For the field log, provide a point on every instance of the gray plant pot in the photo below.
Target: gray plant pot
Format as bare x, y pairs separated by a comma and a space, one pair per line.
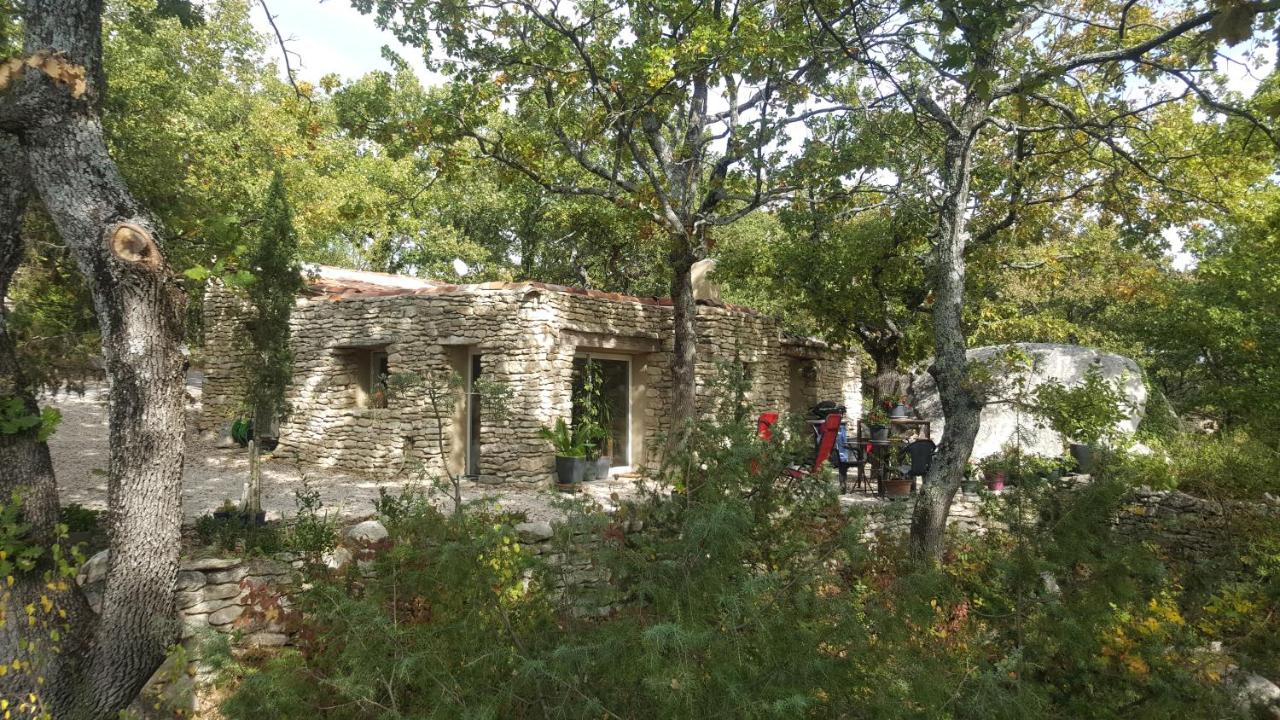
601, 467
900, 412
1083, 455
879, 433
570, 470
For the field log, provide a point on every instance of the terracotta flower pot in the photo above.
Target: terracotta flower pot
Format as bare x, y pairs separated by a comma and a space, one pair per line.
897, 488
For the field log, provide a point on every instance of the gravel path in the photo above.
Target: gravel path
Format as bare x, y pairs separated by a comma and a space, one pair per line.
212, 475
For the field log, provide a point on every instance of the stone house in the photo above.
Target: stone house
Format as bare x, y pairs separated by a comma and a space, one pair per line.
352, 330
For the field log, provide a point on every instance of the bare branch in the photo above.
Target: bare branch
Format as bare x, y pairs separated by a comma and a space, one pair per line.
284, 51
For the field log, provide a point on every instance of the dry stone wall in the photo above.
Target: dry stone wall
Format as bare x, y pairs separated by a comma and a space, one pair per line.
527, 339
226, 355
1187, 526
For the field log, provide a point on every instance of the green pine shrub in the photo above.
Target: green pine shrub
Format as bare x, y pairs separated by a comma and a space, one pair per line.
746, 596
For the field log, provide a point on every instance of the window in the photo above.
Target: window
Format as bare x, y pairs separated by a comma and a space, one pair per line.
802, 382
376, 387
367, 371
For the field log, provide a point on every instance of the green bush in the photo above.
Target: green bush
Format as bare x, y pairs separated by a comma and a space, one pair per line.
234, 534
746, 596
1234, 465
311, 531
78, 518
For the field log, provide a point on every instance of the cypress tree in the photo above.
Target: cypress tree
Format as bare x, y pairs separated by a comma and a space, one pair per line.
276, 284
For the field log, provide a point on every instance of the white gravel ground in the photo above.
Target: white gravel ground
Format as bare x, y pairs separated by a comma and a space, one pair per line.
212, 475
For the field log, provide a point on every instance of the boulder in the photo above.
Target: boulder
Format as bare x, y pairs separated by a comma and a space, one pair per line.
1065, 364
94, 569
369, 532
337, 559
533, 532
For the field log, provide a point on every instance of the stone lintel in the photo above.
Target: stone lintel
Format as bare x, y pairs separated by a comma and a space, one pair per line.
363, 343
617, 343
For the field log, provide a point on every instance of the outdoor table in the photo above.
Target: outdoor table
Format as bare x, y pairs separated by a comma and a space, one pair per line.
900, 431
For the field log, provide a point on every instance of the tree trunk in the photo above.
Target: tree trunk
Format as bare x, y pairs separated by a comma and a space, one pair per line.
960, 406
140, 311
684, 403
24, 459
889, 381
28, 469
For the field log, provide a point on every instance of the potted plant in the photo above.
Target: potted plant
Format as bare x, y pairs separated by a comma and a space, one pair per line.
897, 482
972, 477
571, 452
1084, 415
995, 470
593, 436
593, 416
878, 425
899, 409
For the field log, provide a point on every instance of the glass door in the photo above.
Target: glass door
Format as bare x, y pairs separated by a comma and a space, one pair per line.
612, 400
473, 418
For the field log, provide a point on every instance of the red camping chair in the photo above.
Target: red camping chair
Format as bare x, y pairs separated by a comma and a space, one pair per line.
827, 432
764, 431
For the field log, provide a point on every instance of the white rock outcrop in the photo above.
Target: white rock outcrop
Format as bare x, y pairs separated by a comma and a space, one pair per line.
1066, 364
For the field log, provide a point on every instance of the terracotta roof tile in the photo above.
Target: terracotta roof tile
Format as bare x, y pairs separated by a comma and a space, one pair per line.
335, 284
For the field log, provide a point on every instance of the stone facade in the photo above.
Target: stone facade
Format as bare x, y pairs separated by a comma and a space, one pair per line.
526, 337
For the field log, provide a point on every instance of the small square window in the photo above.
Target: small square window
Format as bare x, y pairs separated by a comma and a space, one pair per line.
376, 383
367, 373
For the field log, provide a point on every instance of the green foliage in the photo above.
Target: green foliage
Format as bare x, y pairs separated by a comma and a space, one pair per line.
852, 281
15, 418
392, 508
1215, 344
241, 429
744, 597
234, 532
591, 413
17, 552
272, 294
1229, 466
311, 531
565, 441
78, 518
1085, 413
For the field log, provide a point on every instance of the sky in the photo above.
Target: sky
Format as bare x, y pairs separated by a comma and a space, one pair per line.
331, 37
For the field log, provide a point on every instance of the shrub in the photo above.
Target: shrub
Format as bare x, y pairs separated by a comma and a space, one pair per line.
746, 596
235, 534
312, 531
78, 518
1234, 465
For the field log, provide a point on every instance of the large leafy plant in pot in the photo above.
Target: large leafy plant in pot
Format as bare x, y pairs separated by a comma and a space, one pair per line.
877, 422
571, 451
1085, 414
593, 416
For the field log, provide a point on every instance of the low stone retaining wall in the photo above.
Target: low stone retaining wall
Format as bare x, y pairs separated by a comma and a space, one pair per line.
1188, 526
890, 517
